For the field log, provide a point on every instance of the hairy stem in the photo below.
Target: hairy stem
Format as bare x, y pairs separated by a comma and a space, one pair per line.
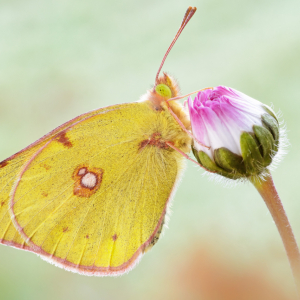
267, 190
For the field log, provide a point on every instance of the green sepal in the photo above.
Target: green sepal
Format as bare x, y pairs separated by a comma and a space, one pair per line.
229, 161
266, 142
273, 126
195, 152
210, 165
250, 152
270, 112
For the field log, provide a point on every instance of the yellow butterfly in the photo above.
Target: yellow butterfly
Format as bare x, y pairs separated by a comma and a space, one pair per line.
92, 195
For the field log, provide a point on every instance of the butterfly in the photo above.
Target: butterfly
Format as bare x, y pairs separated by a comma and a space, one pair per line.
92, 195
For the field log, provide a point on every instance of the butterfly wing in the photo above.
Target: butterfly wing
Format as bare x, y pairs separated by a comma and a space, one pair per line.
9, 170
93, 197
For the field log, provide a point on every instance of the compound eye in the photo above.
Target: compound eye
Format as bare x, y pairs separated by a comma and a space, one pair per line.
163, 90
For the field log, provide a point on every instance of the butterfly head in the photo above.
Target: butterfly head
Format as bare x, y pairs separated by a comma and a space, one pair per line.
166, 87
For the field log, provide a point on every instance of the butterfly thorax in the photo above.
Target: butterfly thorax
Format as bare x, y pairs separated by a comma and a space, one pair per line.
166, 88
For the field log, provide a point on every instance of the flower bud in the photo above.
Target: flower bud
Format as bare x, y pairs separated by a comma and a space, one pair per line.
235, 135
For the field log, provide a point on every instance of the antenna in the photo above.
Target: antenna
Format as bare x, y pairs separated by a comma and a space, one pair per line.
188, 15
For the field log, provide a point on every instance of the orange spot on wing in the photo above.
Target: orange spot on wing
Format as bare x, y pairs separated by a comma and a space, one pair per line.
155, 140
65, 229
114, 237
87, 236
143, 144
44, 194
81, 189
3, 163
47, 167
2, 203
62, 138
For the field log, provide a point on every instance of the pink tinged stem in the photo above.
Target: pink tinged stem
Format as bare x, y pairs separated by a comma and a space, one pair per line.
268, 192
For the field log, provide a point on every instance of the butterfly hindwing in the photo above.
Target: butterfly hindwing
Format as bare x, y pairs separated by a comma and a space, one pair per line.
93, 197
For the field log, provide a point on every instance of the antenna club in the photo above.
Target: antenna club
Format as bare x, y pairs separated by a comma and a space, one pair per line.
188, 15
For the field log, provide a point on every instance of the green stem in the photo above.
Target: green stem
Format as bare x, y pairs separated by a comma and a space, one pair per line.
267, 190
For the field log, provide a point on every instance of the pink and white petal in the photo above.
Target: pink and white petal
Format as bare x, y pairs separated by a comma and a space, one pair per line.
217, 133
199, 129
232, 128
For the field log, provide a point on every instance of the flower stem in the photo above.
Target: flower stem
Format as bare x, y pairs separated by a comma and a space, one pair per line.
267, 190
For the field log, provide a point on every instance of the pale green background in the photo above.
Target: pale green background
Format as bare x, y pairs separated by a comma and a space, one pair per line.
61, 58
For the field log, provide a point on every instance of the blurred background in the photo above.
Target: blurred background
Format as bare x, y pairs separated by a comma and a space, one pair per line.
59, 59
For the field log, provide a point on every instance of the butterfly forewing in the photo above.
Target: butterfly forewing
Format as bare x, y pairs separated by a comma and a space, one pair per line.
9, 171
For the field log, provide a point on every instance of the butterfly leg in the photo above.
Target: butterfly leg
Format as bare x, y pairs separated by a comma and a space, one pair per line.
183, 127
180, 97
170, 144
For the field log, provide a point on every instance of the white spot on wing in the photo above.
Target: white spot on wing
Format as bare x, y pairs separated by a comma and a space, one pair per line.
82, 171
89, 180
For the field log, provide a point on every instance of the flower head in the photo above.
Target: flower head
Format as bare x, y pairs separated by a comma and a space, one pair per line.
236, 135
